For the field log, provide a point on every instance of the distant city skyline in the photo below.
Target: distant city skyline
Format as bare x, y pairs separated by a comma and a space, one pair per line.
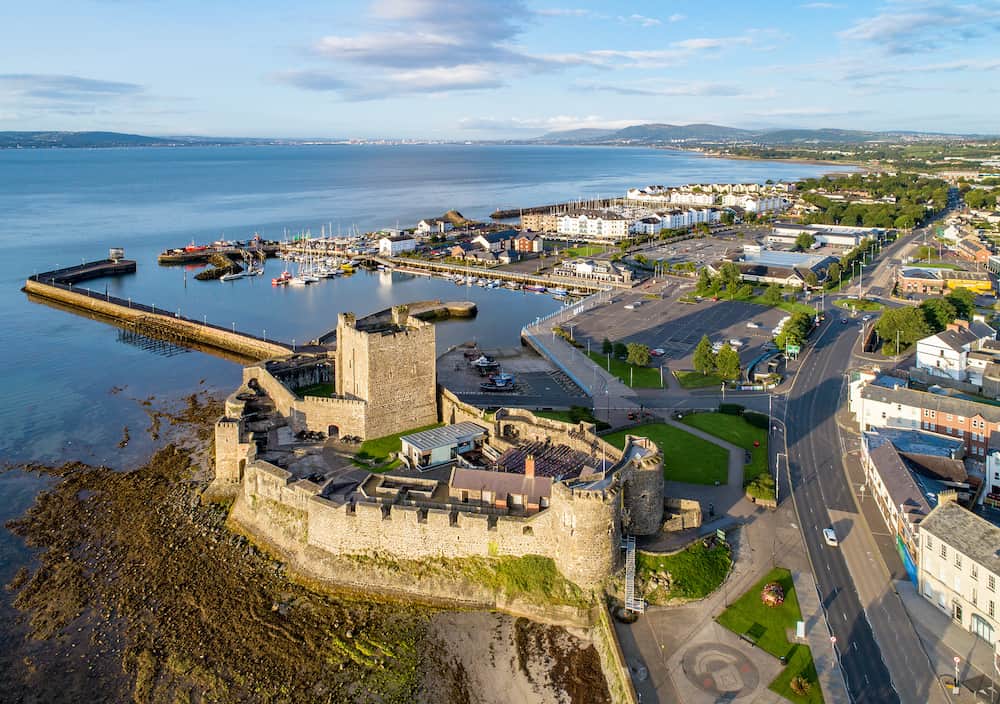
495, 69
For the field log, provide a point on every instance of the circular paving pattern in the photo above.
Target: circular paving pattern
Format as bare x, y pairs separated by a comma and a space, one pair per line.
720, 670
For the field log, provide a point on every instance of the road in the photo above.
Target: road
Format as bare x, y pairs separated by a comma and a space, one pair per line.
818, 483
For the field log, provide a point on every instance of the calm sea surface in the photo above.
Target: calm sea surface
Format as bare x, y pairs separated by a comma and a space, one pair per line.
59, 207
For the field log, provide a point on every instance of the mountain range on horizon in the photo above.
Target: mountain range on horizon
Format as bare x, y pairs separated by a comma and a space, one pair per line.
651, 134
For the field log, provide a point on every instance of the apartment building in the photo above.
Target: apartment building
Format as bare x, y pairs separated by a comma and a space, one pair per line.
593, 224
959, 567
759, 204
540, 222
947, 353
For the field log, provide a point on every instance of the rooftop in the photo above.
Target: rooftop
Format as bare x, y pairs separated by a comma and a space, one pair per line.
903, 489
502, 483
444, 436
916, 442
786, 260
560, 462
974, 537
936, 402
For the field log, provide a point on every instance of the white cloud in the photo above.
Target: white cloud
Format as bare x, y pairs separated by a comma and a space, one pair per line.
671, 88
676, 17
912, 27
564, 12
557, 123
820, 6
641, 20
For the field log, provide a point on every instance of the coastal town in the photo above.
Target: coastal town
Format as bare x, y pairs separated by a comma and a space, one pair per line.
642, 440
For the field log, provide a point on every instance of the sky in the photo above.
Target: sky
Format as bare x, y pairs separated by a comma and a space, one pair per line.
494, 69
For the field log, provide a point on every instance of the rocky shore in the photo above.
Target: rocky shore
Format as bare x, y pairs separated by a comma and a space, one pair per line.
139, 592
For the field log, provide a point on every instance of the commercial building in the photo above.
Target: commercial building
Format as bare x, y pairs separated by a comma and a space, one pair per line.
946, 354
971, 249
593, 224
939, 281
959, 566
759, 265
832, 235
392, 246
599, 270
435, 446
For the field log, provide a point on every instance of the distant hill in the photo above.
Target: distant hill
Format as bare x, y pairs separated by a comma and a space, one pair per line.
95, 140
707, 134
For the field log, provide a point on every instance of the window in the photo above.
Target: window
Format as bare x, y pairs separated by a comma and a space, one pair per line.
974, 596
991, 583
975, 570
948, 417
958, 560
944, 551
991, 609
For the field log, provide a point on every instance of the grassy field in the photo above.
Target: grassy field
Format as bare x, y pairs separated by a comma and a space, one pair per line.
690, 379
789, 306
849, 303
768, 627
374, 454
695, 572
316, 390
736, 430
686, 458
584, 250
642, 377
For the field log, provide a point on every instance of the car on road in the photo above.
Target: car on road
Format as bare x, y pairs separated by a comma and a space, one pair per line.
830, 537
752, 324
866, 318
845, 321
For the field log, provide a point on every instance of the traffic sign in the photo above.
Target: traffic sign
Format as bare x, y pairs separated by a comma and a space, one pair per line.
720, 534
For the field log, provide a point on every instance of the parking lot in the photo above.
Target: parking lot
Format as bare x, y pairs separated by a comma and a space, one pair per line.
699, 251
675, 327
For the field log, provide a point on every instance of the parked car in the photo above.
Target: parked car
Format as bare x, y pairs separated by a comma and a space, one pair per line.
753, 325
658, 352
866, 318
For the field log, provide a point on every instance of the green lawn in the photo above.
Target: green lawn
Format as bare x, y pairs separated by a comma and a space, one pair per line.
584, 250
768, 627
642, 377
690, 379
736, 430
686, 458
374, 454
695, 572
789, 306
315, 390
849, 303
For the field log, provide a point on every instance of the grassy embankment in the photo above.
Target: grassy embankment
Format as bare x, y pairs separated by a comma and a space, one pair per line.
768, 626
736, 430
686, 457
640, 377
694, 572
690, 379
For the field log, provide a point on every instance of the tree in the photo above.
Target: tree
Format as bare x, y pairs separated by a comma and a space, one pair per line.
833, 272
704, 357
964, 302
727, 363
730, 277
909, 324
805, 240
704, 282
606, 346
938, 312
620, 350
811, 279
772, 295
638, 354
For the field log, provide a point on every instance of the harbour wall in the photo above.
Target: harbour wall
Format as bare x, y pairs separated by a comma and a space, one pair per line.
569, 282
155, 323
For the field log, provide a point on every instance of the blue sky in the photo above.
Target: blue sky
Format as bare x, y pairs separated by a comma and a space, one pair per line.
471, 69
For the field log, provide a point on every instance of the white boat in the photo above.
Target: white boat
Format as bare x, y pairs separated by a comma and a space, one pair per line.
234, 275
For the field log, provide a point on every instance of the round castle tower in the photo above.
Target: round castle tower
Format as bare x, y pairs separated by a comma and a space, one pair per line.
642, 501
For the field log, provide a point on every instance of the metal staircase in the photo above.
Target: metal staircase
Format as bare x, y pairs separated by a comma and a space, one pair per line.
631, 602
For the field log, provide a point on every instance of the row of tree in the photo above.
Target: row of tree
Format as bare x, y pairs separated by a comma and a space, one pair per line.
725, 363
795, 330
916, 197
634, 353
907, 325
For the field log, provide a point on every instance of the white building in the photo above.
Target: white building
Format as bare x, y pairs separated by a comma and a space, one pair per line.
433, 227
647, 226
756, 203
678, 219
946, 353
392, 246
593, 224
959, 567
692, 198
436, 446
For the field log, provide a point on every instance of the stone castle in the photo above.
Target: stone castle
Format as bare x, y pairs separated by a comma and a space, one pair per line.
300, 494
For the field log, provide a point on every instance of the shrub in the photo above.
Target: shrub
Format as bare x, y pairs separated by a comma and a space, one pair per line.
758, 420
800, 685
772, 595
732, 409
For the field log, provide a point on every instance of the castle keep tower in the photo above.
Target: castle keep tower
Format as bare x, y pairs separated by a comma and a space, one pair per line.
390, 365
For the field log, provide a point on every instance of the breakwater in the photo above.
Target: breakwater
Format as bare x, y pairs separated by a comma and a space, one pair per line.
56, 286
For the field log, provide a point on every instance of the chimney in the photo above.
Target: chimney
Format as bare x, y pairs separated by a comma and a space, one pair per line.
529, 466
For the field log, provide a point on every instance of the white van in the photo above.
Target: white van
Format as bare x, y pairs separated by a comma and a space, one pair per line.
830, 537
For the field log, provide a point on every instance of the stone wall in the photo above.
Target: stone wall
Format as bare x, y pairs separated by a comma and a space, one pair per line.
612, 659
682, 514
145, 320
643, 495
579, 530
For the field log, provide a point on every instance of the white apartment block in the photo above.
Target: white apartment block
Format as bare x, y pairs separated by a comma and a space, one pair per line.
947, 353
593, 225
759, 204
676, 219
959, 567
391, 246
